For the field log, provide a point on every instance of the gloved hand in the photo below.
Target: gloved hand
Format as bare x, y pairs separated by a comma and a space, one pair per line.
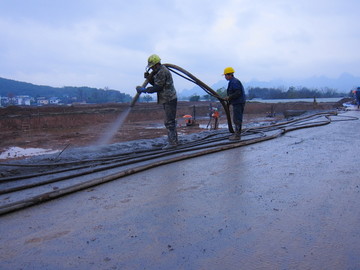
140, 89
146, 75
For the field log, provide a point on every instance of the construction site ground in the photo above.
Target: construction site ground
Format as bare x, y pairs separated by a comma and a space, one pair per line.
288, 203
59, 127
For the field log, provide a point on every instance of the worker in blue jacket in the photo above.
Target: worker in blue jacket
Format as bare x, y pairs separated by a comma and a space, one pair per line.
357, 96
236, 98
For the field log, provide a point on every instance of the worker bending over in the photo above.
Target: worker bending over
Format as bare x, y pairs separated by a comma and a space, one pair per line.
236, 98
162, 84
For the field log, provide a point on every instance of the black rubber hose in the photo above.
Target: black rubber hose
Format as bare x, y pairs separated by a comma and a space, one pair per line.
207, 89
193, 152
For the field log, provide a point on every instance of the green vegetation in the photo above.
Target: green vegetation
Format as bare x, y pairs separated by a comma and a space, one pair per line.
146, 98
221, 91
291, 93
194, 98
67, 94
277, 93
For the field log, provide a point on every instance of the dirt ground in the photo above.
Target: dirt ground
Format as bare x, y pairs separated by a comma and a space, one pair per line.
58, 138
76, 126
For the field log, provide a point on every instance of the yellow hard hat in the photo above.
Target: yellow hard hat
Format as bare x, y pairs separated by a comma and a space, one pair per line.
153, 60
228, 70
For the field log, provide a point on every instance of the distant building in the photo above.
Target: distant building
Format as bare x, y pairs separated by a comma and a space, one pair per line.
17, 101
54, 100
42, 101
4, 101
22, 100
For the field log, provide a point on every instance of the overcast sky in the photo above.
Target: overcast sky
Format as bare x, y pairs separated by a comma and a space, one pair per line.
106, 43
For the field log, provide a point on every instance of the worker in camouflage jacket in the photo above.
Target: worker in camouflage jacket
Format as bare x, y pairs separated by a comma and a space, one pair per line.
162, 84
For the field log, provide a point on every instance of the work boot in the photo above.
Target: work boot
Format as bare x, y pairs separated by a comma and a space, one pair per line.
235, 137
169, 146
237, 134
172, 136
172, 139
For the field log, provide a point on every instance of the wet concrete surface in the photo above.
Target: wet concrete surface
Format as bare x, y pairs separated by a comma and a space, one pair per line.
288, 203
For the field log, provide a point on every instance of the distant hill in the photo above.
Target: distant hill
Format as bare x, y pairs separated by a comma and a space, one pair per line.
11, 88
343, 84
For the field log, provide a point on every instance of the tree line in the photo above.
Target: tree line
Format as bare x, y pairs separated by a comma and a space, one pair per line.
277, 93
291, 93
67, 94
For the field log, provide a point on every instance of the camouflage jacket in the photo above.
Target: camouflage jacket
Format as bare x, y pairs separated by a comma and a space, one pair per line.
163, 85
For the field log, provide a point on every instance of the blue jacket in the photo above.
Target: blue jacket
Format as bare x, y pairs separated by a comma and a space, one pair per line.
357, 93
235, 91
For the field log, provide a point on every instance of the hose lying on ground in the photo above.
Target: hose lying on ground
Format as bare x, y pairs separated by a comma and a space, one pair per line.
126, 165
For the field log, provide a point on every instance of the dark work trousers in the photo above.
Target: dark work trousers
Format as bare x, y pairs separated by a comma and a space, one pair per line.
358, 98
238, 111
170, 120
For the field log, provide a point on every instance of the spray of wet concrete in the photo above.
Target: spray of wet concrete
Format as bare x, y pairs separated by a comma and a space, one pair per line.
113, 128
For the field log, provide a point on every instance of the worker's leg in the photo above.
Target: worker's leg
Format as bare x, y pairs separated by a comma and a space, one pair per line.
216, 124
238, 111
170, 121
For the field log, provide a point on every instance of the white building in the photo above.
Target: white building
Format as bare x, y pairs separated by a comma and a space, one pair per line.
22, 100
42, 101
54, 100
